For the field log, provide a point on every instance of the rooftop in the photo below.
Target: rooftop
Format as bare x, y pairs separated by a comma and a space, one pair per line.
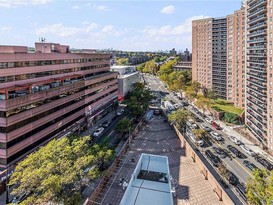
150, 182
158, 138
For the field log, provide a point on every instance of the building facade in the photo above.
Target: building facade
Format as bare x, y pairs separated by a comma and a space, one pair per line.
126, 79
49, 93
259, 70
218, 56
183, 66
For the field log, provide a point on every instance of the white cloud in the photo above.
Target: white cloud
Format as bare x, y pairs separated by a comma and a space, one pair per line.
14, 3
168, 30
168, 10
65, 31
98, 7
75, 7
5, 28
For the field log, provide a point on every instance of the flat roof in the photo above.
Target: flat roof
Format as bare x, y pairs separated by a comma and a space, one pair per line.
121, 66
128, 75
150, 182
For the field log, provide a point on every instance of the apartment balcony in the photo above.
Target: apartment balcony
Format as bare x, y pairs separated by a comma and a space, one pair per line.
256, 5
256, 129
263, 47
257, 118
258, 11
256, 96
258, 112
257, 40
257, 33
257, 26
257, 19
251, 102
34, 97
264, 55
257, 69
253, 87
256, 77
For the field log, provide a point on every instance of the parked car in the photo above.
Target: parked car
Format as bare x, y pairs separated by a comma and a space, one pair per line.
195, 126
249, 165
248, 150
220, 152
199, 142
216, 136
106, 123
208, 119
264, 162
98, 132
120, 112
205, 128
232, 179
235, 140
213, 158
215, 125
184, 103
240, 188
235, 151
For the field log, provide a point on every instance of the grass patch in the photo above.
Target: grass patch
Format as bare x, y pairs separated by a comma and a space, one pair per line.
227, 108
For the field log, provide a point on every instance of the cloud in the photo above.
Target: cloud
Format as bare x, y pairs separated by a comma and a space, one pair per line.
98, 7
168, 10
65, 31
75, 7
15, 3
168, 30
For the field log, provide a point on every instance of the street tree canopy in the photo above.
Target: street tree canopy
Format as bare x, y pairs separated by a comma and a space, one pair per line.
179, 117
56, 172
260, 188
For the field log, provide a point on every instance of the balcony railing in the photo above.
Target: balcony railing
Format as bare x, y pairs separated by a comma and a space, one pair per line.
259, 10
258, 25
257, 33
258, 3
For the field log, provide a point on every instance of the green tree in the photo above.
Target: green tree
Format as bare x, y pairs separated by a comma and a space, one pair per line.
203, 103
260, 188
122, 61
196, 86
123, 126
56, 172
179, 117
199, 134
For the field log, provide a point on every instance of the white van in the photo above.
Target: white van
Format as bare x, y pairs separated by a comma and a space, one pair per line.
248, 150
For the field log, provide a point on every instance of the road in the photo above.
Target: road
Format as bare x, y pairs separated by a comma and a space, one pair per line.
234, 164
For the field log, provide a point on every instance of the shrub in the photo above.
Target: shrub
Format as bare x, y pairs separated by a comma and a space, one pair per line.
231, 118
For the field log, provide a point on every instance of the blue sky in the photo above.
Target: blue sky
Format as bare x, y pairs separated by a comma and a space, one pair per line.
126, 25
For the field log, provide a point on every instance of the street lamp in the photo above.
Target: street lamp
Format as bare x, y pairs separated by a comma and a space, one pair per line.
7, 186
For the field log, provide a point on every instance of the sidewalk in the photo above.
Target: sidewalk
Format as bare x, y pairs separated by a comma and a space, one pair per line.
229, 131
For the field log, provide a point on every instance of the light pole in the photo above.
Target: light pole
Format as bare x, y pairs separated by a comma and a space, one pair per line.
7, 186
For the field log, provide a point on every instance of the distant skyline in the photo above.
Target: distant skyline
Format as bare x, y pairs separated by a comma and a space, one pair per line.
123, 25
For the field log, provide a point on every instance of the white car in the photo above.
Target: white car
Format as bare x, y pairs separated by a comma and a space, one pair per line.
205, 128
120, 112
98, 132
194, 126
216, 136
209, 120
248, 150
235, 140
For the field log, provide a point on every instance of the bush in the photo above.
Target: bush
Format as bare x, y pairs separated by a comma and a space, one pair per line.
221, 102
231, 118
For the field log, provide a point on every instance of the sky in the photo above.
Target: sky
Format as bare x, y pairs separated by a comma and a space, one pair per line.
131, 25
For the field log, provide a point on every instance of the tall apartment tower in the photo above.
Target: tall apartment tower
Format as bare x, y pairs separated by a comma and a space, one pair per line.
236, 65
202, 52
259, 70
218, 55
49, 94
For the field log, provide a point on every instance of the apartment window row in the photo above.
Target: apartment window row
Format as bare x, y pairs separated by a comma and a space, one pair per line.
13, 78
44, 126
4, 65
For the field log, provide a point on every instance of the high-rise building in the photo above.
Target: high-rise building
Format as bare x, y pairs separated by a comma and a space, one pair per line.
259, 70
49, 94
236, 66
218, 56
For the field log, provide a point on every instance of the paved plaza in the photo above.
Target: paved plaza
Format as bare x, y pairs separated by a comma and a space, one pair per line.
157, 137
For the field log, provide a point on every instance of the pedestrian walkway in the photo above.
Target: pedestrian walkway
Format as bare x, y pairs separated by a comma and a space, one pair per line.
230, 131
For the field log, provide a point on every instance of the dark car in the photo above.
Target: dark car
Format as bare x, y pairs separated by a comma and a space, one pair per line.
232, 179
219, 151
213, 158
241, 191
249, 165
106, 123
264, 162
185, 103
235, 151
197, 119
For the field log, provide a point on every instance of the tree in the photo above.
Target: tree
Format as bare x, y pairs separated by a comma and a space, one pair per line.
123, 126
56, 172
260, 188
179, 117
196, 86
122, 61
199, 134
203, 103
